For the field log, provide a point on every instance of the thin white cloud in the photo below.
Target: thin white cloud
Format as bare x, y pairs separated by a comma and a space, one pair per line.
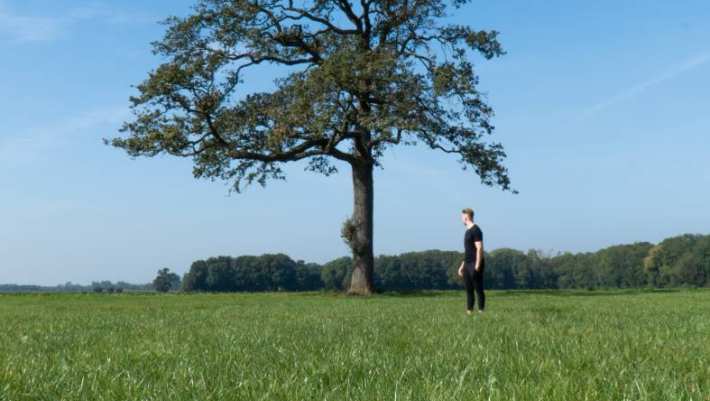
636, 90
103, 12
41, 142
20, 28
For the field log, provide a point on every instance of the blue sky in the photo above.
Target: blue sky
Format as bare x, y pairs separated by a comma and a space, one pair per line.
602, 107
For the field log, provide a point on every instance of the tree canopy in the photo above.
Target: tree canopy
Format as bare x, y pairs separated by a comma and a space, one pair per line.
362, 77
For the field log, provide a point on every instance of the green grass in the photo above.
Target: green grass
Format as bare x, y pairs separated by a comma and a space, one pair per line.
528, 346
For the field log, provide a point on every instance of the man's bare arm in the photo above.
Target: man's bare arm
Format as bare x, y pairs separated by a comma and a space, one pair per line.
479, 254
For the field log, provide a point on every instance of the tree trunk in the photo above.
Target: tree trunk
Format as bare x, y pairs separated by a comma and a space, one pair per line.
362, 282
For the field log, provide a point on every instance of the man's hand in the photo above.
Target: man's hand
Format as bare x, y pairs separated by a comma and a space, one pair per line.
461, 270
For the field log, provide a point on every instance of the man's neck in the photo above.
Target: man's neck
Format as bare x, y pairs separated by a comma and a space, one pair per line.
469, 224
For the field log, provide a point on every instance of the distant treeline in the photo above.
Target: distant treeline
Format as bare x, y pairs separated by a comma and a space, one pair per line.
677, 261
96, 286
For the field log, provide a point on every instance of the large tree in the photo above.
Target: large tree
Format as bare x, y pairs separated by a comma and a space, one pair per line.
358, 77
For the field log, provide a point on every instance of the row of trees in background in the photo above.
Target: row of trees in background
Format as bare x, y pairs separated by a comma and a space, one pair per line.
96, 286
677, 261
252, 273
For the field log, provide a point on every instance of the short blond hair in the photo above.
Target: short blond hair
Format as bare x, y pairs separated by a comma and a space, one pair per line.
469, 212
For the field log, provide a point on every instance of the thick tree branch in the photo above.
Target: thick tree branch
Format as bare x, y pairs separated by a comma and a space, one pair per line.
345, 6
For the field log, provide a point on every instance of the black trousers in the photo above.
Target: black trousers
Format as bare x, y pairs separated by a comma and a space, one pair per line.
473, 282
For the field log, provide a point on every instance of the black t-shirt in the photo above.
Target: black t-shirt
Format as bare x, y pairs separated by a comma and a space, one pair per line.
472, 235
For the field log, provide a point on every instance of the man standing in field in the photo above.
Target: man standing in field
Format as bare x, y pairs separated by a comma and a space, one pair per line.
471, 268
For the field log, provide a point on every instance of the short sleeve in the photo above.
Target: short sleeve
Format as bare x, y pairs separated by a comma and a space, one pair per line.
477, 234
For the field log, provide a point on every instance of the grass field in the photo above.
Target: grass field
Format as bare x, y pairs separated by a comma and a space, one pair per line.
527, 346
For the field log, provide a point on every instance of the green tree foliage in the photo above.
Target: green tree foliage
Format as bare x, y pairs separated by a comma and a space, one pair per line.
622, 266
196, 278
308, 276
505, 268
335, 274
416, 270
681, 260
275, 272
166, 281
575, 270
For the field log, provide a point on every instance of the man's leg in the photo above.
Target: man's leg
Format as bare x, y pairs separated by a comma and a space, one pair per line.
469, 286
478, 285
